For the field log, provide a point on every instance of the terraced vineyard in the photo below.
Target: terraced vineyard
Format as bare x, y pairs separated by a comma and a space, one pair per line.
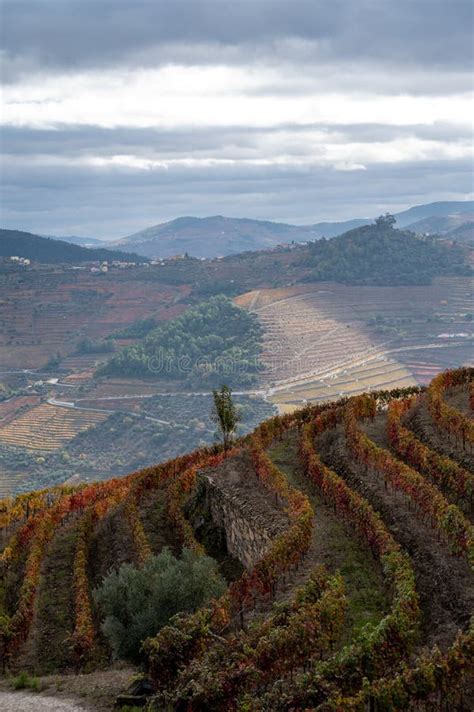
57, 307
324, 340
357, 585
47, 427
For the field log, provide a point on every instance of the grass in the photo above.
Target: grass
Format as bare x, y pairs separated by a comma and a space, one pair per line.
340, 550
23, 681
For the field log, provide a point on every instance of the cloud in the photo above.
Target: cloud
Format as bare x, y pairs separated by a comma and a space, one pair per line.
120, 114
212, 96
58, 34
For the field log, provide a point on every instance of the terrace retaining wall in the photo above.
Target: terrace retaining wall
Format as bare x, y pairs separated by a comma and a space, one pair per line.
248, 527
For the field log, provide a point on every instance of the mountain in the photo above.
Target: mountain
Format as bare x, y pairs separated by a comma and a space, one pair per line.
213, 236
463, 233
440, 209
44, 249
459, 226
218, 235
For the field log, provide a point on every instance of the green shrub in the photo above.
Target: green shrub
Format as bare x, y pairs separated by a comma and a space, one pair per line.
136, 602
23, 682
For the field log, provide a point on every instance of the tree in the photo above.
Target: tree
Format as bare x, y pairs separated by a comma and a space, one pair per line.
137, 602
225, 414
387, 220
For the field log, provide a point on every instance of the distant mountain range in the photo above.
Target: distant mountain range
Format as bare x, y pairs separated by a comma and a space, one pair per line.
219, 235
44, 249
458, 226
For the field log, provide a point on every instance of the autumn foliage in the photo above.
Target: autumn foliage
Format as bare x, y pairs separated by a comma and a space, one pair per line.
242, 650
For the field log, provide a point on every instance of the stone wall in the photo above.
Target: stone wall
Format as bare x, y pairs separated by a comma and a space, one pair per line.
248, 525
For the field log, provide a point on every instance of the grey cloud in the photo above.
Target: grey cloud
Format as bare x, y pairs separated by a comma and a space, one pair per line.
407, 46
234, 141
70, 34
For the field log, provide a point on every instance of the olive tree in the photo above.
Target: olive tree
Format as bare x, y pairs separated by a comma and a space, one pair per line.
135, 603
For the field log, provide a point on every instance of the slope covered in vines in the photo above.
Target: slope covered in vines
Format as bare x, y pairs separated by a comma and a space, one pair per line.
360, 597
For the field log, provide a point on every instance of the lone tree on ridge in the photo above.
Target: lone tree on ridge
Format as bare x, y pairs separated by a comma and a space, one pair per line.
225, 414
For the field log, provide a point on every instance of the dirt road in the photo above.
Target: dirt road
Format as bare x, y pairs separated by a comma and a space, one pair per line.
34, 702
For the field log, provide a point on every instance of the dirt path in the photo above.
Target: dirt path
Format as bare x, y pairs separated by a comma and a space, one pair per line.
34, 702
95, 691
445, 583
335, 547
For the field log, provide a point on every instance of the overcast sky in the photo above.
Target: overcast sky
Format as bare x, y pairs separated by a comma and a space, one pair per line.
119, 114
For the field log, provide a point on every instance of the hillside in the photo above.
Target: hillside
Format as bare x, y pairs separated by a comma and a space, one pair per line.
379, 254
406, 218
463, 233
212, 236
47, 250
48, 310
444, 225
344, 533
211, 341
218, 235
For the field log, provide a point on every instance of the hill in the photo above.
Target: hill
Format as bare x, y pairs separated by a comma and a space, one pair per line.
344, 533
218, 235
406, 218
211, 236
380, 254
211, 341
456, 225
463, 233
47, 250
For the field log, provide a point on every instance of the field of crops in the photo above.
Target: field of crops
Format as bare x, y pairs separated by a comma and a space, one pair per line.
47, 427
360, 599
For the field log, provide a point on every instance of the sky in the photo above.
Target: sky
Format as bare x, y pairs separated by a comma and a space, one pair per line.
119, 114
